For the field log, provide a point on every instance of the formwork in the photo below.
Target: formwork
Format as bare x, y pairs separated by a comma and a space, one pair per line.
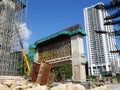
40, 72
43, 73
34, 71
12, 16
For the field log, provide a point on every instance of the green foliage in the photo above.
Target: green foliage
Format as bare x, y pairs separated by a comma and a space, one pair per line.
20, 65
63, 70
67, 69
118, 79
93, 77
88, 77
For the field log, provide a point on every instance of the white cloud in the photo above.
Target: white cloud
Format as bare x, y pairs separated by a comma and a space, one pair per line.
25, 35
26, 46
24, 31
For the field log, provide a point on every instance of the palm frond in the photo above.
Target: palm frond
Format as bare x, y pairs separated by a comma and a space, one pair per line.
112, 22
115, 15
115, 1
117, 33
112, 5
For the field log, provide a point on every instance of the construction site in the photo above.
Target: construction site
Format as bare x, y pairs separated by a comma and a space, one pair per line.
13, 59
32, 71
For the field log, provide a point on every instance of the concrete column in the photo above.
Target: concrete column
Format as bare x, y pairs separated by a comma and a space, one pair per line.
89, 71
107, 68
78, 59
92, 70
36, 55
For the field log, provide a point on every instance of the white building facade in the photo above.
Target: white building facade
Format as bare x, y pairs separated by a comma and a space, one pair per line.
99, 45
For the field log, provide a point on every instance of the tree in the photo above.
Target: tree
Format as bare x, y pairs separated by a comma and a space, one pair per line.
63, 72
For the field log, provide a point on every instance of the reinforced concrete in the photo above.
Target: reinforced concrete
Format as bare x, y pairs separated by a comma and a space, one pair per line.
64, 47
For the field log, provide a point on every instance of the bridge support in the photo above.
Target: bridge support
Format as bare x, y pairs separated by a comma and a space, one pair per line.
78, 59
36, 55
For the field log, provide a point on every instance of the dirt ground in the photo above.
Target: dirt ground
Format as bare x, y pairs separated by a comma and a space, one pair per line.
113, 86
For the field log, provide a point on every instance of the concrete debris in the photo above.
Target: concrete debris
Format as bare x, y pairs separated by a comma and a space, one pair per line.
24, 87
19, 88
3, 87
100, 88
69, 86
38, 87
19, 83
8, 83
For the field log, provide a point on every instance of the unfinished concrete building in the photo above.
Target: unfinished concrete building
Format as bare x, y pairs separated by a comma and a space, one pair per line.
12, 14
64, 47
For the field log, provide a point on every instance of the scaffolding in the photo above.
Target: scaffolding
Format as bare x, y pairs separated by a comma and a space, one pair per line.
12, 15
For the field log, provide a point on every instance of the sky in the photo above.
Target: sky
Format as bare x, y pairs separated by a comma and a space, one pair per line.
46, 17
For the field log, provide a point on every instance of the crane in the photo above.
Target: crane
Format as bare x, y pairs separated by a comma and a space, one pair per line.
21, 44
25, 56
23, 52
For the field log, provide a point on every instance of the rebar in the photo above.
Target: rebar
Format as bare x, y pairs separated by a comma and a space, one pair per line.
12, 15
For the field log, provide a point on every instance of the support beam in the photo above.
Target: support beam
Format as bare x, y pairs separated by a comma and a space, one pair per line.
78, 59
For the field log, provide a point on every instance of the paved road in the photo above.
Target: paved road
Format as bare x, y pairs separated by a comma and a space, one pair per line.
113, 86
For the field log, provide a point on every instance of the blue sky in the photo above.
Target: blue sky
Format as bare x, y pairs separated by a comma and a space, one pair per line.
46, 17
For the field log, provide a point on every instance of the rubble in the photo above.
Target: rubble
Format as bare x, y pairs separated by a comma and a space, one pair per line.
20, 83
69, 86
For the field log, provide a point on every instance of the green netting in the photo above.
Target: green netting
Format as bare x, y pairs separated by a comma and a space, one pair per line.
69, 33
9, 19
20, 0
32, 46
31, 54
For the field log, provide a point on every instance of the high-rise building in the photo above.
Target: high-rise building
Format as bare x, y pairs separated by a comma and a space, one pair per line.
99, 45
